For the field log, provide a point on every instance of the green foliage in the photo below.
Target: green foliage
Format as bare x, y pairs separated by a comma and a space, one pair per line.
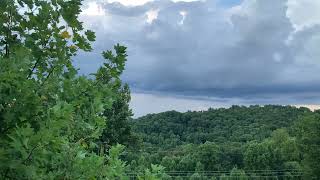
48, 130
280, 152
49, 30
51, 118
116, 170
238, 174
208, 144
236, 124
308, 137
155, 173
118, 128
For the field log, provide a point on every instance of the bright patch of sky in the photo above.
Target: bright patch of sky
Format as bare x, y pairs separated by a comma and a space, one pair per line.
152, 15
303, 13
93, 9
184, 15
143, 104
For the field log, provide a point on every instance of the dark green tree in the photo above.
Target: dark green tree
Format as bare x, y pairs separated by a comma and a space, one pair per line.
118, 129
308, 137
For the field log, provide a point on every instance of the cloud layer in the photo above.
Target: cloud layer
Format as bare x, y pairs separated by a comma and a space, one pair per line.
259, 51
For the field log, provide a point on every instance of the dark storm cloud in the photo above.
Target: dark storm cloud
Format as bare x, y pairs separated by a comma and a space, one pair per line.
249, 51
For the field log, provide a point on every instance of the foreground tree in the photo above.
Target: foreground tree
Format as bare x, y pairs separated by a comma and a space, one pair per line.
51, 118
48, 130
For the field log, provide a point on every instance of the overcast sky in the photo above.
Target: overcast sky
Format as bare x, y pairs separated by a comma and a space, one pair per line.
195, 54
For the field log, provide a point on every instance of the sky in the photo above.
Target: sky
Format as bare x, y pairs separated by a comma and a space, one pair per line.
195, 54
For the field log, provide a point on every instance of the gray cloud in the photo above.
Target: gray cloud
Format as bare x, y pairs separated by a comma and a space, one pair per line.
251, 51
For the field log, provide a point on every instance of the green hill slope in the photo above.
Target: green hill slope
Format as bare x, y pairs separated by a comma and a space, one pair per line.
236, 124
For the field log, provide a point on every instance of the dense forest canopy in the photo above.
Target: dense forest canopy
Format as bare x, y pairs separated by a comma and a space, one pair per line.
236, 124
58, 124
251, 142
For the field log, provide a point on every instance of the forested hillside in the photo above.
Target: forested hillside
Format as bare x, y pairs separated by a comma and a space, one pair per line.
236, 124
251, 142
